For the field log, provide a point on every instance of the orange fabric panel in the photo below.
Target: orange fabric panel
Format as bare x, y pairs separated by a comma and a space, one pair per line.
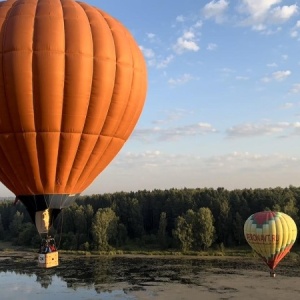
105, 149
47, 149
72, 87
104, 71
12, 163
4, 116
8, 175
78, 67
84, 153
102, 157
48, 91
123, 79
48, 66
68, 149
29, 154
17, 69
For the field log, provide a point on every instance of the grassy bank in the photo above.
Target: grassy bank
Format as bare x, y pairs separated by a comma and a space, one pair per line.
242, 252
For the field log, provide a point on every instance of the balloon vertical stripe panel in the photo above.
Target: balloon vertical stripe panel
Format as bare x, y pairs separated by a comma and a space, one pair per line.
29, 155
279, 233
104, 70
78, 67
123, 82
83, 154
271, 235
48, 66
17, 65
102, 158
8, 174
272, 246
68, 150
6, 124
12, 162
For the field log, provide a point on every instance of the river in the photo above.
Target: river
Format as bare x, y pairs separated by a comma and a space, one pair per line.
132, 277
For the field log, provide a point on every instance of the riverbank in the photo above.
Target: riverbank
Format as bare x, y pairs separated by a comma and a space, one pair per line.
246, 253
227, 284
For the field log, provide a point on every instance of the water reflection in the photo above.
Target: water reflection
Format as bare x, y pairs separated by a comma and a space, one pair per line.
112, 277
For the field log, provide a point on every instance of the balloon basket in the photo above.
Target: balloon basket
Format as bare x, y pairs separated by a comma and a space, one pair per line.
48, 260
272, 273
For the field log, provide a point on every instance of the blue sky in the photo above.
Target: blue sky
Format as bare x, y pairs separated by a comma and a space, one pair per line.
223, 102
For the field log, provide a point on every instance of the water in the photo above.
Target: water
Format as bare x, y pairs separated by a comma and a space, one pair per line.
16, 286
109, 278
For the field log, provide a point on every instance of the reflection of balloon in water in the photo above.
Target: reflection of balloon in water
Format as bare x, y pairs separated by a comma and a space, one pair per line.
72, 86
271, 235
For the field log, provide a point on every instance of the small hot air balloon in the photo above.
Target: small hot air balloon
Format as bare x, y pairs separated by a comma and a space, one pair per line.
72, 87
271, 235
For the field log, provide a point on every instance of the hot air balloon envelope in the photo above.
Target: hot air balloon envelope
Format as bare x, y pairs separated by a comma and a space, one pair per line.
271, 235
72, 87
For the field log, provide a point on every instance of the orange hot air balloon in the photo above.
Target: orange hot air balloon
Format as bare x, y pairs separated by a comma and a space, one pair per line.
271, 235
72, 86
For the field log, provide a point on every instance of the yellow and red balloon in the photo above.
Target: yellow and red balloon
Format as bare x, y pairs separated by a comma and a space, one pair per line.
271, 235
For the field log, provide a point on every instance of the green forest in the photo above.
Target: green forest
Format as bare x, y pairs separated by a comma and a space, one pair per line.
174, 219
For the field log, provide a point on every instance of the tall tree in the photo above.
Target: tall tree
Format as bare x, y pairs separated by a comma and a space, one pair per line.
104, 228
1, 228
205, 234
184, 233
89, 214
223, 221
16, 224
238, 228
162, 233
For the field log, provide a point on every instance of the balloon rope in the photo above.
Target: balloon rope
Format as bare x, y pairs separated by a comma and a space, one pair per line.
40, 234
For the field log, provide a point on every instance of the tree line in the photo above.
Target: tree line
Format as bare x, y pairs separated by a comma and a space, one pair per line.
183, 219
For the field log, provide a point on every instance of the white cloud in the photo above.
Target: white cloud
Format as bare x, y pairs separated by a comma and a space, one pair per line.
187, 42
234, 160
184, 131
287, 105
180, 19
257, 8
281, 75
266, 79
282, 14
259, 27
261, 129
198, 24
151, 36
227, 70
242, 78
174, 115
181, 80
173, 133
163, 170
252, 163
211, 47
148, 53
277, 76
215, 10
164, 62
261, 14
294, 33
295, 88
272, 65
154, 61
